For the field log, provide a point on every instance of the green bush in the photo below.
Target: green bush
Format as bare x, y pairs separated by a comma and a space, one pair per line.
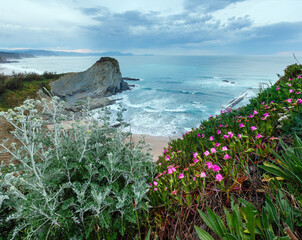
28, 77
50, 75
87, 182
14, 83
2, 84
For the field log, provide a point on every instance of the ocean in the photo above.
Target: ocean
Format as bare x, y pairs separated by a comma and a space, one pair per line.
175, 92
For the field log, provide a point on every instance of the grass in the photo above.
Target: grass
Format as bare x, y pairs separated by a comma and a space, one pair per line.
29, 85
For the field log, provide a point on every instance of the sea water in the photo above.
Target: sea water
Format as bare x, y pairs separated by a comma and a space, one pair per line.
174, 92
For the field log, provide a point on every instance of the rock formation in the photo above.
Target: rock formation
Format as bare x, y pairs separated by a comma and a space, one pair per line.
101, 80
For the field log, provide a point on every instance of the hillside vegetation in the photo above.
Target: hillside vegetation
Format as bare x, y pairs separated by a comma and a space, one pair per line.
236, 177
18, 87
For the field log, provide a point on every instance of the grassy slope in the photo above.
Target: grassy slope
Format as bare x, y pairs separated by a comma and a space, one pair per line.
15, 97
178, 194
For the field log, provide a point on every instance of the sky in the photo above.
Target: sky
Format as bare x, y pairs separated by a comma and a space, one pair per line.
160, 27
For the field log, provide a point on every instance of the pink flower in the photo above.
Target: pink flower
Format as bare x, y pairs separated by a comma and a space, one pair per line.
202, 135
165, 150
250, 116
196, 160
226, 157
168, 158
155, 183
219, 177
298, 92
216, 168
289, 85
255, 112
159, 164
155, 189
206, 153
291, 90
209, 165
171, 169
220, 125
211, 138
263, 103
239, 136
225, 136
299, 101
225, 148
217, 144
174, 192
289, 79
265, 115
239, 117
181, 176
213, 150
299, 76
277, 88
203, 174
222, 111
198, 135
241, 125
218, 131
195, 155
194, 178
289, 100
230, 134
253, 128
259, 136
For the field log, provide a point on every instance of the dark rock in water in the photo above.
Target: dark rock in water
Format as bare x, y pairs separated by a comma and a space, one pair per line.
101, 80
227, 81
131, 79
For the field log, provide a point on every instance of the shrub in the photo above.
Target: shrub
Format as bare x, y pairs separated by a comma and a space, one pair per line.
14, 83
2, 85
50, 75
28, 77
88, 182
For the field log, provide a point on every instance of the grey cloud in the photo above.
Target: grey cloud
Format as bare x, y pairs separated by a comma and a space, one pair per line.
239, 23
90, 11
208, 5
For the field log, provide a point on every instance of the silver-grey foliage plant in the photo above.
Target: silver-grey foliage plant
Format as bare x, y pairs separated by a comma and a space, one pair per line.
84, 182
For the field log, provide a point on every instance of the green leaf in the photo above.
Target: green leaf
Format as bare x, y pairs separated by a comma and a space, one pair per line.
148, 235
228, 219
251, 222
229, 236
236, 220
219, 227
202, 234
206, 220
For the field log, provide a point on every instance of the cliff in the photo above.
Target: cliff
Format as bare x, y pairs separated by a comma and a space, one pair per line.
101, 80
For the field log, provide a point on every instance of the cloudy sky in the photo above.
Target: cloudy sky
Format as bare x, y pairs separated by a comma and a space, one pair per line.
174, 27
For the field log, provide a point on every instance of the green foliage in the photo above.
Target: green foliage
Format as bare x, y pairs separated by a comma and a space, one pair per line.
217, 159
13, 83
247, 223
288, 166
87, 182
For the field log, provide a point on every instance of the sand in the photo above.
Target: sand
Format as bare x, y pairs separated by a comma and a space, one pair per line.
156, 143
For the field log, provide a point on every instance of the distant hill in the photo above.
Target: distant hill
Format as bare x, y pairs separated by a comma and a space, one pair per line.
25, 53
60, 53
5, 56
